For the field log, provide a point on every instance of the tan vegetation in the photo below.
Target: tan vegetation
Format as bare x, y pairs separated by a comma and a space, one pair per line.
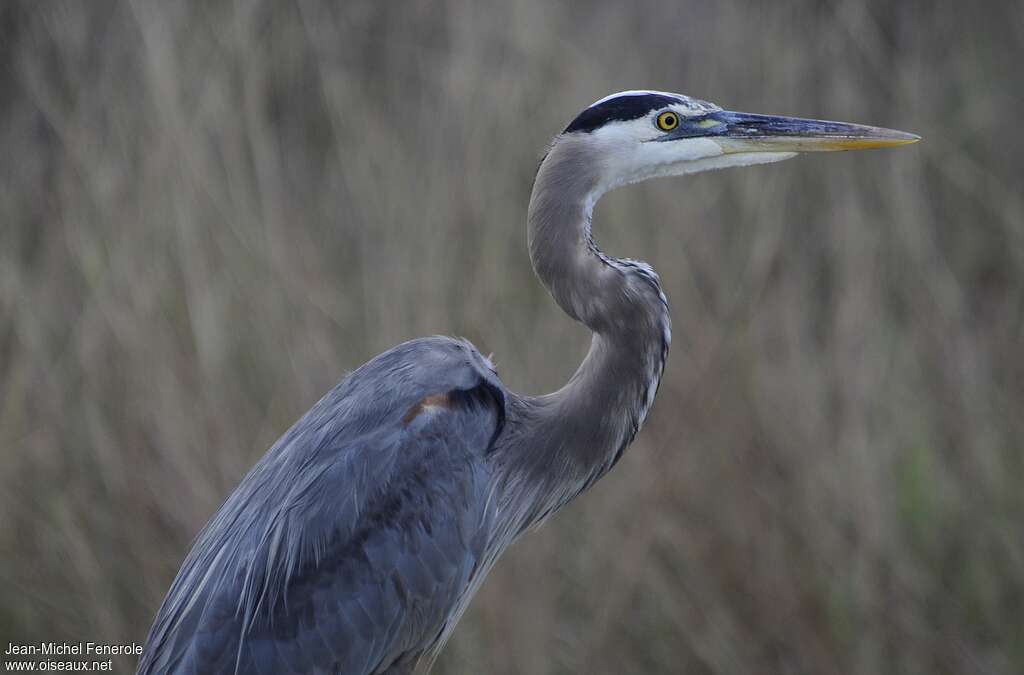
209, 212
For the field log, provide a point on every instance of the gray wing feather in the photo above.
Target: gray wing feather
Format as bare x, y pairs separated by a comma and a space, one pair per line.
349, 545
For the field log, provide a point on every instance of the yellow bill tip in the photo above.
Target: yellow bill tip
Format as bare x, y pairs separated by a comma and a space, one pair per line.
891, 140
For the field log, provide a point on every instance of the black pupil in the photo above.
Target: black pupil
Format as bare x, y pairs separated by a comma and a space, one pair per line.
669, 120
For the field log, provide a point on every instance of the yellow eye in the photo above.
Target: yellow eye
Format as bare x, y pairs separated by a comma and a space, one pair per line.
667, 121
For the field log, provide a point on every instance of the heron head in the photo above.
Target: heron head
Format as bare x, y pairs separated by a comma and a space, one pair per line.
647, 134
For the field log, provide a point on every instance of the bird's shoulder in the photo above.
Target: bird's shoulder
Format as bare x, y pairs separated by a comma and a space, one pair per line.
385, 389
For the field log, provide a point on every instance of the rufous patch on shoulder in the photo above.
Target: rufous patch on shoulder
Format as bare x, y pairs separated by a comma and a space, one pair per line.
430, 403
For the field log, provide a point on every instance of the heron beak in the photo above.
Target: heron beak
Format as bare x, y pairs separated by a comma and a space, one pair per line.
745, 132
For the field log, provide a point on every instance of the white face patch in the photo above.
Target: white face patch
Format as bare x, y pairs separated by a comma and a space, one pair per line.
631, 152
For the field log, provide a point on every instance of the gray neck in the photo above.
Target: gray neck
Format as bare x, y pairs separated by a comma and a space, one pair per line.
573, 436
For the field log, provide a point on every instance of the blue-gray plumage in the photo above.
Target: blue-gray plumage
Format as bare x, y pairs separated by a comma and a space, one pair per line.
356, 543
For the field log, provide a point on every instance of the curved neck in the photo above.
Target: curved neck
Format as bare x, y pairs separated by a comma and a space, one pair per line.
574, 435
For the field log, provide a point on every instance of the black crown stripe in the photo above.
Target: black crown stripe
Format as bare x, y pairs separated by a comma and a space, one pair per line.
619, 109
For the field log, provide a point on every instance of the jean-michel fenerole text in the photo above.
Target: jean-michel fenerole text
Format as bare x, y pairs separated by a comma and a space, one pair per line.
72, 649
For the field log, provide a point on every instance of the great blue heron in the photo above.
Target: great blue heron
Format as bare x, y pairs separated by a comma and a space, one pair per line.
356, 543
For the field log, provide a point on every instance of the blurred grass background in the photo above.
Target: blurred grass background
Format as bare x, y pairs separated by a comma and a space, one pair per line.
209, 212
